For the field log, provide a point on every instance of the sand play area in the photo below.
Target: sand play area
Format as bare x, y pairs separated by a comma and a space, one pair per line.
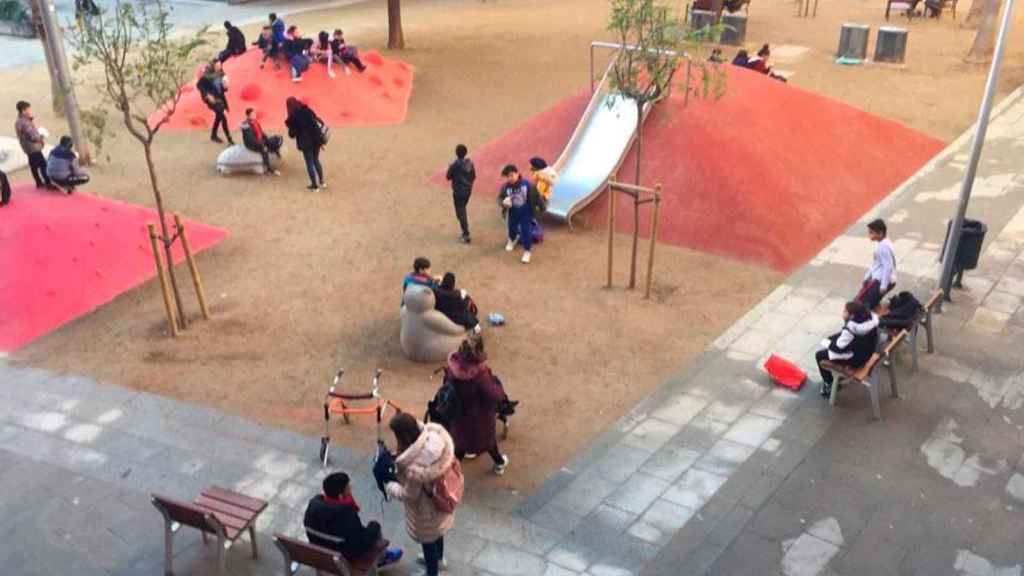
309, 282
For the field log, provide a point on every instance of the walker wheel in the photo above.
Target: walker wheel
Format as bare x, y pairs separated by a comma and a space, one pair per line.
323, 450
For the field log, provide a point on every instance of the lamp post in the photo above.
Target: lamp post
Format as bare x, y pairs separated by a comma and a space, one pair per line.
956, 230
55, 40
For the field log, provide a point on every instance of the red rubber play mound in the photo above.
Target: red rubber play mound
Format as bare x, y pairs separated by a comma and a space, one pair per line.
378, 96
768, 174
63, 256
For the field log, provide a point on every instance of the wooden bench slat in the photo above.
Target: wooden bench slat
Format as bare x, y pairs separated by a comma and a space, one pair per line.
895, 341
316, 557
226, 509
934, 299
234, 498
184, 513
229, 522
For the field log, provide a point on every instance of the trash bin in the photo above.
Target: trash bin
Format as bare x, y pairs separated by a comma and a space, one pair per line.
971, 239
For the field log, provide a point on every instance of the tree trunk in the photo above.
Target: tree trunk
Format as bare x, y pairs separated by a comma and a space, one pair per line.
636, 180
396, 39
985, 39
166, 238
973, 18
55, 91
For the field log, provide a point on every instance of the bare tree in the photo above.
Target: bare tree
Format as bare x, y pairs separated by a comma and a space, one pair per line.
144, 68
985, 38
396, 38
644, 72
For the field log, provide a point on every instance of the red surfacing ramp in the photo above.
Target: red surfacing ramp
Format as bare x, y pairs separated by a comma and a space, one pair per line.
769, 174
63, 256
378, 96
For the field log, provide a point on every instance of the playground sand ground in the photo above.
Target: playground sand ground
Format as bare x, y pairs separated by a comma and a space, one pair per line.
309, 282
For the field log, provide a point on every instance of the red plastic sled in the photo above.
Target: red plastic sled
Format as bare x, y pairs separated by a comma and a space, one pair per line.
784, 372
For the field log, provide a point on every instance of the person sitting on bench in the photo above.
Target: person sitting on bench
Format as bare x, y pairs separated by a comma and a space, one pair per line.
257, 140
881, 277
344, 53
236, 43
456, 304
62, 166
332, 521
852, 346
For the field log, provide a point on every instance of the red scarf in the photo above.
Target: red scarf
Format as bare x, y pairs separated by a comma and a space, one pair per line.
346, 500
256, 129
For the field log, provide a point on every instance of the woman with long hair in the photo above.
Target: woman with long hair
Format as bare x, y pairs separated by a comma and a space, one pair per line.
307, 130
425, 453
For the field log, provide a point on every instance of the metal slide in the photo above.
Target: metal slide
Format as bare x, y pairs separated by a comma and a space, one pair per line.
595, 150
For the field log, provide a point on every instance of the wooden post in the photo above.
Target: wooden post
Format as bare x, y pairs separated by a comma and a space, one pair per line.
636, 241
196, 280
172, 322
611, 231
654, 241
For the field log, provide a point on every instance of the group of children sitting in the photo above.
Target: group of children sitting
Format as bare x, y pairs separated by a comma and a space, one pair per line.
854, 344
279, 42
758, 63
450, 300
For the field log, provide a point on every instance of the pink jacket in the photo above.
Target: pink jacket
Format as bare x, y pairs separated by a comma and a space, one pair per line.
418, 466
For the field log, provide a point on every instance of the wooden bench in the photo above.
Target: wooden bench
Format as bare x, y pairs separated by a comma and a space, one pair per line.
224, 513
866, 375
326, 561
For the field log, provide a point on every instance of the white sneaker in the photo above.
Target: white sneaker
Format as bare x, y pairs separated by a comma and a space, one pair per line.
477, 329
422, 561
510, 245
331, 73
499, 469
347, 71
297, 79
471, 455
526, 258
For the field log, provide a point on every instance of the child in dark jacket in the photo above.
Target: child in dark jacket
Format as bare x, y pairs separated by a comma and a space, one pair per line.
852, 346
462, 174
332, 521
520, 198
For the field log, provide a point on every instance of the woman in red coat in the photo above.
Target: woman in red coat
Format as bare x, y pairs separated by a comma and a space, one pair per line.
479, 395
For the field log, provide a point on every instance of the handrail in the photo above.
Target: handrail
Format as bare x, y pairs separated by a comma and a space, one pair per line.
581, 125
617, 46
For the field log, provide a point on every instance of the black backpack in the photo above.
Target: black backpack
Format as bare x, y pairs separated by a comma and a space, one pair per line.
446, 407
903, 307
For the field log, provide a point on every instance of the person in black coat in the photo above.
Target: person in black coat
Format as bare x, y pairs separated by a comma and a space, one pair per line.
5, 189
306, 128
852, 346
455, 304
332, 521
236, 42
213, 91
462, 174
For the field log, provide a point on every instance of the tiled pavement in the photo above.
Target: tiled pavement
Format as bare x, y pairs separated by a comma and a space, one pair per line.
718, 472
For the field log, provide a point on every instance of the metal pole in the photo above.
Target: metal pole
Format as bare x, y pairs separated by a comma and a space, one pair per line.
946, 280
56, 41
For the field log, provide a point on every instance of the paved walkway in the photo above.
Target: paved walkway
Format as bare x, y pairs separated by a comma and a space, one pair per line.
718, 472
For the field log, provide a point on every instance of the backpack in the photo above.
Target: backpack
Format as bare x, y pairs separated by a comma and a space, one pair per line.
446, 406
446, 491
903, 307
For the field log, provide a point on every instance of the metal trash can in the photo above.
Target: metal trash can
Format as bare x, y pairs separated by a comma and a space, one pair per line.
701, 19
853, 41
735, 33
891, 45
968, 251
